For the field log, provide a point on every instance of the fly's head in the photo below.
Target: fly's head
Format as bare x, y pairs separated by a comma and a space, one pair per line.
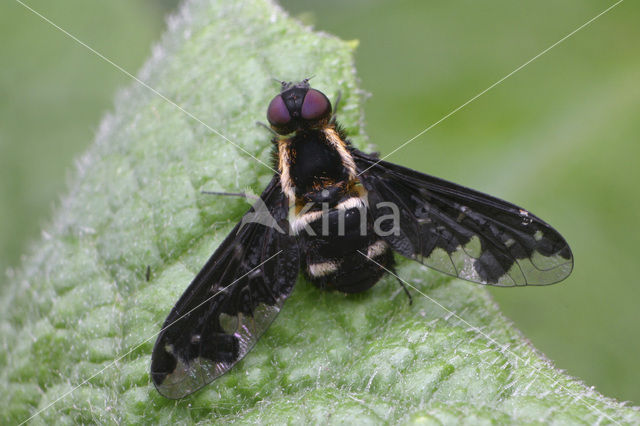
297, 107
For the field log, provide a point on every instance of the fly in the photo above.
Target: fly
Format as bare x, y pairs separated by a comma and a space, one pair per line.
338, 215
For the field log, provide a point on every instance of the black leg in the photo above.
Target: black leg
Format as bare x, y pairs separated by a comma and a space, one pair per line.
232, 194
335, 106
404, 287
266, 126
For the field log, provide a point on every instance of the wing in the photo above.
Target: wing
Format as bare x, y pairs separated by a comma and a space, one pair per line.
459, 231
231, 302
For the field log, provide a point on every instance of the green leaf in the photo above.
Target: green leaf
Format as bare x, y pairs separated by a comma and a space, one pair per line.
80, 316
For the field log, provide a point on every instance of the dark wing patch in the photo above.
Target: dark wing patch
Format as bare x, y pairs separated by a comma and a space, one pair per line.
251, 274
462, 232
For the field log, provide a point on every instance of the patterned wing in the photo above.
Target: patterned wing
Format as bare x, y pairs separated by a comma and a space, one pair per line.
459, 231
231, 302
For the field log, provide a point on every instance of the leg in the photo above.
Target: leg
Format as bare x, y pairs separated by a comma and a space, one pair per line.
260, 123
335, 106
403, 287
232, 194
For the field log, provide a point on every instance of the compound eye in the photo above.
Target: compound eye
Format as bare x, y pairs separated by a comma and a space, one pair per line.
277, 112
315, 105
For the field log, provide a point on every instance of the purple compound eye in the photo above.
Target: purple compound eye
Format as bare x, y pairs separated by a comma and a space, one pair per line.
315, 105
277, 112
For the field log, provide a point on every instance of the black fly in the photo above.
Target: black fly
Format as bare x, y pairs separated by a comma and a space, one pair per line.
330, 205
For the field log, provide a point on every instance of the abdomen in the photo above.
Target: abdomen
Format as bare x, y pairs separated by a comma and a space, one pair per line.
340, 250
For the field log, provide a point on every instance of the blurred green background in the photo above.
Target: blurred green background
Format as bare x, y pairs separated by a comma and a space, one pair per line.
560, 137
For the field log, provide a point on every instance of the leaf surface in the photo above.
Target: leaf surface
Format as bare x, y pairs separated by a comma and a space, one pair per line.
81, 309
